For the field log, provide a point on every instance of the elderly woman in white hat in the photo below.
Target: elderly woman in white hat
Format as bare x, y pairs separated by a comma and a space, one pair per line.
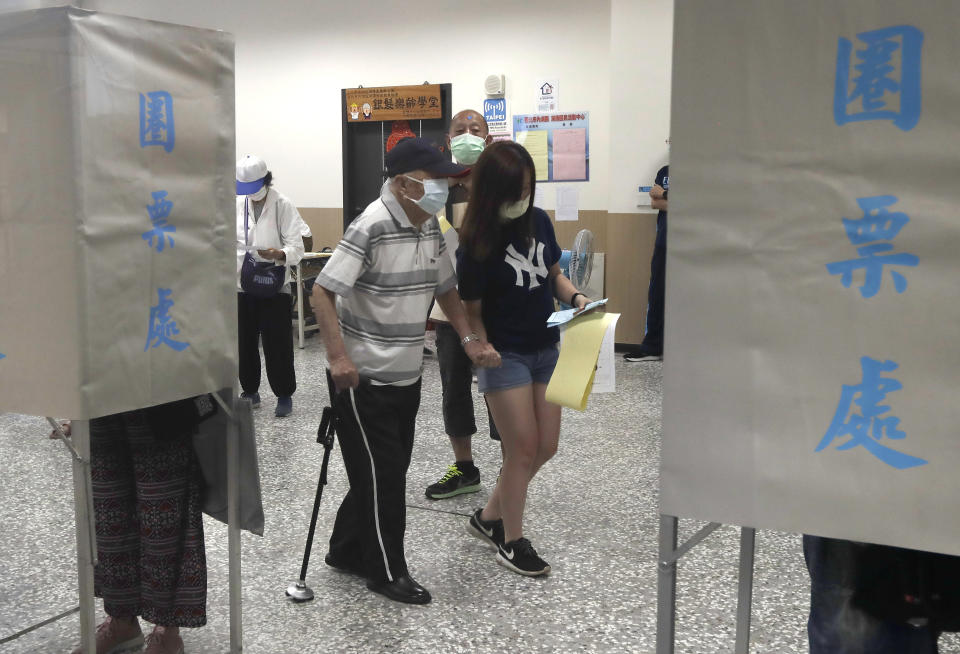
268, 242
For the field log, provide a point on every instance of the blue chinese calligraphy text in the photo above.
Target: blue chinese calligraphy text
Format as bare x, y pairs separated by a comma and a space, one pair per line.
162, 231
882, 91
878, 224
162, 327
859, 417
156, 120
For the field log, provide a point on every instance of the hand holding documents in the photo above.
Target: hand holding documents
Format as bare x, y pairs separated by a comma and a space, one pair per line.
558, 318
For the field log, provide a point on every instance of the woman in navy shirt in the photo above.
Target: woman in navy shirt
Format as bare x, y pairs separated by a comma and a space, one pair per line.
509, 276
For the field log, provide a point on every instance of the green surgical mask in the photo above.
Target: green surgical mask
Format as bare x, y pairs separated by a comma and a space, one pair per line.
467, 148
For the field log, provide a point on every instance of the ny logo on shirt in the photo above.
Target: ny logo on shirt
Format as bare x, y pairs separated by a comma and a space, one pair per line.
531, 263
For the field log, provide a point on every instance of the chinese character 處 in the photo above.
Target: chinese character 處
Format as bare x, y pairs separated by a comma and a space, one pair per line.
867, 428
882, 93
877, 225
156, 120
162, 327
162, 230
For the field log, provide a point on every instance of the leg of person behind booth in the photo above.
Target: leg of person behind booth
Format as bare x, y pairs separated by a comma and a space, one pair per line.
836, 626
149, 529
276, 318
375, 428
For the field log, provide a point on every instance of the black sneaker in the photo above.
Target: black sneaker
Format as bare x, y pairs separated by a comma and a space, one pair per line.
455, 482
519, 556
489, 531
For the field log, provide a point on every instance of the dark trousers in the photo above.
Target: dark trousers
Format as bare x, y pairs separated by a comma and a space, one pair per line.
146, 505
270, 319
838, 627
375, 427
456, 381
653, 339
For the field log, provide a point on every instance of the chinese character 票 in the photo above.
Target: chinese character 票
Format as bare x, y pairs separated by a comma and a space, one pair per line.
867, 428
881, 92
877, 225
162, 230
156, 120
162, 327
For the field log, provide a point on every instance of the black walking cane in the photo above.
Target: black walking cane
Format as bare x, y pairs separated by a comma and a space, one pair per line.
299, 591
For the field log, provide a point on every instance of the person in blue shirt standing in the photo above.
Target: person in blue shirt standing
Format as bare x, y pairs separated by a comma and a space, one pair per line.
651, 349
509, 276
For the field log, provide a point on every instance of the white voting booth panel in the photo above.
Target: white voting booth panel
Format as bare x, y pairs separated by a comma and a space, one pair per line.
812, 368
117, 262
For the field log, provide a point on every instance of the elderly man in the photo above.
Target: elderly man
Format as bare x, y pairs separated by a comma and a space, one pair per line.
371, 301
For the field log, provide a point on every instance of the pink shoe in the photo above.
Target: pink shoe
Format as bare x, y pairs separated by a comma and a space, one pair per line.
114, 637
163, 642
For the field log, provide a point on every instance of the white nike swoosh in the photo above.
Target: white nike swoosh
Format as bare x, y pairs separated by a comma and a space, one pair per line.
507, 554
488, 532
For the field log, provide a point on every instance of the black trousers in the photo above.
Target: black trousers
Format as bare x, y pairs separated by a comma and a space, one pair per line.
269, 319
375, 427
456, 381
653, 339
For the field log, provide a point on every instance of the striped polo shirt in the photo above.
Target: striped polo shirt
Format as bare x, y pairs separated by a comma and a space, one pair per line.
385, 272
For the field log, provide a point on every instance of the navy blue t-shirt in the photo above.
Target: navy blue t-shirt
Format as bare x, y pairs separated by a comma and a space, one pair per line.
514, 289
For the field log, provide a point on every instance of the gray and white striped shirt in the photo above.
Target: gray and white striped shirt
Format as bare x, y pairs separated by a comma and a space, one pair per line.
385, 272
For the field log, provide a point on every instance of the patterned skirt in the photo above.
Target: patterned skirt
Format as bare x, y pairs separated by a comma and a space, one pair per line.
146, 499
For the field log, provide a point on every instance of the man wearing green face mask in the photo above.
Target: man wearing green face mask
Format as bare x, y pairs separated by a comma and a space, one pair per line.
467, 138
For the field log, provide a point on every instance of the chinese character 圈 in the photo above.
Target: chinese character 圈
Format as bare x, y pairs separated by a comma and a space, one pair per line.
868, 233
162, 327
162, 230
156, 120
867, 427
886, 85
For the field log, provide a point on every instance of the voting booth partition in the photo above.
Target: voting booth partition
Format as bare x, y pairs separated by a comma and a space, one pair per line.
117, 254
810, 373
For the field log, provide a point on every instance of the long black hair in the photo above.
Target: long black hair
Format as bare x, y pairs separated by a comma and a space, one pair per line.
497, 179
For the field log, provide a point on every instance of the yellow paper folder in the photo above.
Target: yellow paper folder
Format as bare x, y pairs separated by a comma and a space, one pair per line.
572, 379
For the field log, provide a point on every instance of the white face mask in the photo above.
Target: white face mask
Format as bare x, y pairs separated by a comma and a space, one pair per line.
259, 195
435, 193
467, 148
514, 210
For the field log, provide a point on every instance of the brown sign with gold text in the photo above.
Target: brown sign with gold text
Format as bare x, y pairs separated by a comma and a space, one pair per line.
393, 103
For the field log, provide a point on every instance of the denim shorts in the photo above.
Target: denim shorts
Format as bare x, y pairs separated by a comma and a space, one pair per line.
519, 369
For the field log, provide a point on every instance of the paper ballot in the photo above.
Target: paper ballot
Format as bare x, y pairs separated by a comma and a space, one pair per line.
573, 377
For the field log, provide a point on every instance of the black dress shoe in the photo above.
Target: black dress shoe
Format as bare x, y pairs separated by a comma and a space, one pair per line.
343, 566
401, 589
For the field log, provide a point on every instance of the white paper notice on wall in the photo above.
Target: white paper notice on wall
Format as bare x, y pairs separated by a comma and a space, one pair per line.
548, 92
605, 378
568, 203
538, 197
